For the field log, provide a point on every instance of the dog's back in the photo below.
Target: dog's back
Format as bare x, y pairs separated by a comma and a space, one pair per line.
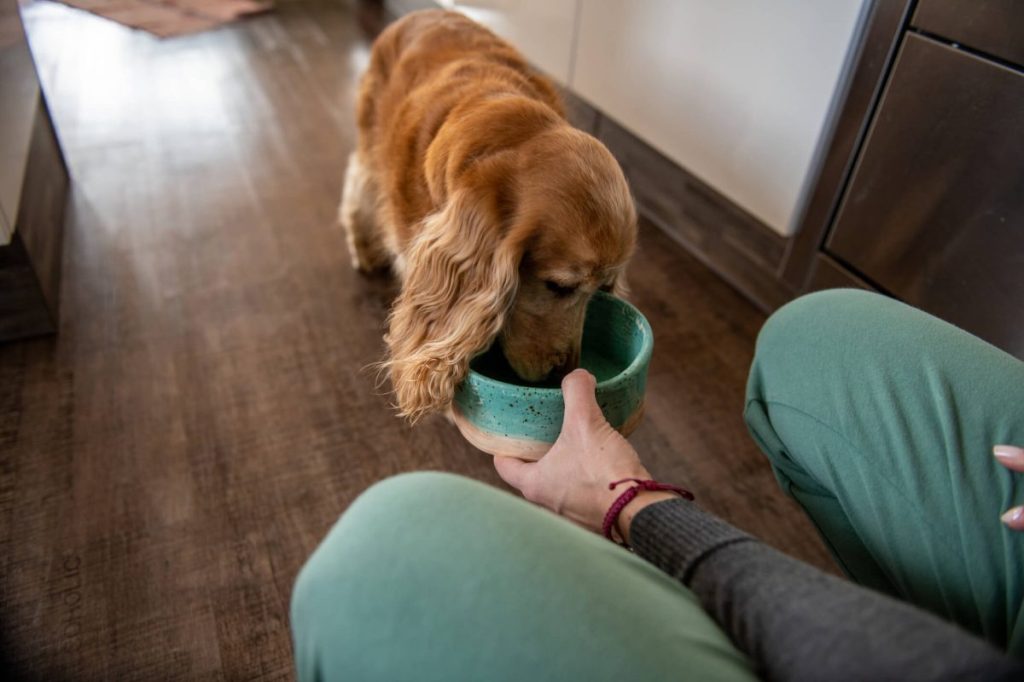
423, 67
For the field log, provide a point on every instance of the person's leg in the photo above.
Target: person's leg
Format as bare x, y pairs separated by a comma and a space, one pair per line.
880, 420
431, 576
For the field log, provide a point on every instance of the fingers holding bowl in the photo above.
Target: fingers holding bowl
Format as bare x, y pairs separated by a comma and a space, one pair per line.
1012, 458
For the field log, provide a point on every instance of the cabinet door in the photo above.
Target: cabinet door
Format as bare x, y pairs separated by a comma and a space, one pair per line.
19, 98
992, 26
934, 212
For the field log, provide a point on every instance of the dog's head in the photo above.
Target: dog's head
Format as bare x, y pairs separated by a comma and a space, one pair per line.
530, 227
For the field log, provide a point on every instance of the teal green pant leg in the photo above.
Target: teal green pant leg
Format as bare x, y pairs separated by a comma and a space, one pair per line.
430, 576
880, 420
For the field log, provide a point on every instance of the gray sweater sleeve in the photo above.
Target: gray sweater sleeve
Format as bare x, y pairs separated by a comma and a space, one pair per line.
798, 623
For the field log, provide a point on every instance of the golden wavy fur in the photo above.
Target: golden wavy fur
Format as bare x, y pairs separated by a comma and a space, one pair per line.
499, 217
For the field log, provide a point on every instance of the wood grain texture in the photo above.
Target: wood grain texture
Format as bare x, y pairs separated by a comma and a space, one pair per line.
828, 273
170, 459
23, 308
876, 44
933, 211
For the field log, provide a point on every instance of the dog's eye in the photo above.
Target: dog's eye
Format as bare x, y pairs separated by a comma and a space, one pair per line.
559, 290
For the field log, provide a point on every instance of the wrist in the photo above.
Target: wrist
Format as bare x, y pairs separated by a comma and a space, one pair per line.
639, 493
606, 496
644, 499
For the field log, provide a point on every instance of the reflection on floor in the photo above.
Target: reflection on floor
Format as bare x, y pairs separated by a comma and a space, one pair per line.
172, 457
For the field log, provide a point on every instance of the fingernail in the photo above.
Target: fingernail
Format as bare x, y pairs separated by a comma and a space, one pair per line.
579, 371
1013, 516
1008, 452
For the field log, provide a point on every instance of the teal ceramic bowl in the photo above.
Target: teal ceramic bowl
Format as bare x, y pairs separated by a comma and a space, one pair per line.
502, 417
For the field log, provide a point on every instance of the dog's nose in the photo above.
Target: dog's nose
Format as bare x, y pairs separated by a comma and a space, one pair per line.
557, 373
570, 361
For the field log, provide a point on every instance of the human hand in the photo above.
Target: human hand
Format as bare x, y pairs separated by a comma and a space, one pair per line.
1012, 458
572, 478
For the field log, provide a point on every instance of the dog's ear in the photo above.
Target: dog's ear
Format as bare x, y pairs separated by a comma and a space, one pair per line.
618, 286
461, 276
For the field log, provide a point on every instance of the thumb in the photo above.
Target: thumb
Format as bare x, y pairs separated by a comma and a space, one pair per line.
580, 402
513, 471
1010, 457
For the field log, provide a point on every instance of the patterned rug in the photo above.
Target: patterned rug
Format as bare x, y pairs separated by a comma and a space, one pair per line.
169, 18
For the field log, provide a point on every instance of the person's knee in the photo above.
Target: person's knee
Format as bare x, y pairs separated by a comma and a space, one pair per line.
377, 530
815, 333
413, 492
824, 319
804, 350
426, 496
387, 514
383, 507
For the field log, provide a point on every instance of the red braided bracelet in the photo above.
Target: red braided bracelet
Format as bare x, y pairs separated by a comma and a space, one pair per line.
626, 497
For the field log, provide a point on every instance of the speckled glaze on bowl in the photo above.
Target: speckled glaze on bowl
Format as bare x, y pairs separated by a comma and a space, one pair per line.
503, 418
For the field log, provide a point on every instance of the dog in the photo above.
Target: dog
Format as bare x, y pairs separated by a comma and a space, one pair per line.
499, 218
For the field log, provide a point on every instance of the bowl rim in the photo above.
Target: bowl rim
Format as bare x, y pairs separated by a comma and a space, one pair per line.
642, 358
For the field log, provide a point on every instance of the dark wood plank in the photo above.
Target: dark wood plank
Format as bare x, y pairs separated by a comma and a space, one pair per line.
932, 213
862, 84
23, 308
579, 111
704, 333
827, 273
992, 27
170, 459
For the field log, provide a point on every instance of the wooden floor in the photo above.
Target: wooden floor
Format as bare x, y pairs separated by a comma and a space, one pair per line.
171, 458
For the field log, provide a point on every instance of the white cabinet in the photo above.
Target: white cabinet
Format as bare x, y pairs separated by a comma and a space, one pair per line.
543, 30
735, 91
19, 100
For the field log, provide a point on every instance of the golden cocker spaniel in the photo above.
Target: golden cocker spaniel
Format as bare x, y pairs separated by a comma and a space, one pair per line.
499, 217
